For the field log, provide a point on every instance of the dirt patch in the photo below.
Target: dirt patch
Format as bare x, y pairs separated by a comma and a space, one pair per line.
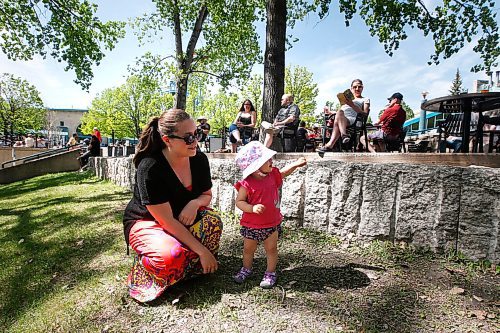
324, 288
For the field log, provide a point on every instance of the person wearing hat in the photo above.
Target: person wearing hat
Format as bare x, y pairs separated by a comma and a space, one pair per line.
202, 129
391, 124
259, 200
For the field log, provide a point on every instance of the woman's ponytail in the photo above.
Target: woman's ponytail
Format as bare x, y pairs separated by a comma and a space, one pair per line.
149, 142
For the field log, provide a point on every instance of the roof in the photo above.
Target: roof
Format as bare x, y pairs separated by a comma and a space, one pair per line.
417, 119
68, 110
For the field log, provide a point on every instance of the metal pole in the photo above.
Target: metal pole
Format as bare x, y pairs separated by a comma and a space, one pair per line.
422, 124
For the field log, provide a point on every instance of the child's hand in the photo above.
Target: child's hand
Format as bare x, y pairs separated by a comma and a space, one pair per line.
258, 208
301, 162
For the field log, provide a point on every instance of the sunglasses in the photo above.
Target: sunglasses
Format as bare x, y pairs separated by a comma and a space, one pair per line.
188, 139
357, 87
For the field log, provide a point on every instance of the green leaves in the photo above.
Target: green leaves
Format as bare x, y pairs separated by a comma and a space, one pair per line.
299, 82
450, 24
126, 109
68, 31
21, 107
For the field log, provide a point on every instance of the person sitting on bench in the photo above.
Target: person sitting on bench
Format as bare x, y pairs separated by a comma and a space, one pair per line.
287, 117
391, 122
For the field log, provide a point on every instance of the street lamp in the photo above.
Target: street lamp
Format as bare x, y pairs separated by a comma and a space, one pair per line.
422, 123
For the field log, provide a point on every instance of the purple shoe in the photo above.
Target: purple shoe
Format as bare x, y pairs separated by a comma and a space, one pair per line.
269, 280
242, 275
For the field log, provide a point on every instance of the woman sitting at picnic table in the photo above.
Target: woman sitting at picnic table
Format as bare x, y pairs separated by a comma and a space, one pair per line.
167, 222
245, 119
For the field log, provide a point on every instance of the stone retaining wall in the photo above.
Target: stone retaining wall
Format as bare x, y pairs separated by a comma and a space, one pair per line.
439, 207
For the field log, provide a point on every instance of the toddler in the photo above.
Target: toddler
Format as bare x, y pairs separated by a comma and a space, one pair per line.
259, 200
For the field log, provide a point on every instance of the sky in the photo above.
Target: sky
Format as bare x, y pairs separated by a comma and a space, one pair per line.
335, 54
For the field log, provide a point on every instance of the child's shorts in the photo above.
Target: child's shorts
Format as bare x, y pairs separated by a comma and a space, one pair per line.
259, 235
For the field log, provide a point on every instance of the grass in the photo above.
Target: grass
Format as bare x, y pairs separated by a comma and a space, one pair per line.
64, 267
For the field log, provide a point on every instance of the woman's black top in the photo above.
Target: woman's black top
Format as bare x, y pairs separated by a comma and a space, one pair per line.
156, 183
245, 120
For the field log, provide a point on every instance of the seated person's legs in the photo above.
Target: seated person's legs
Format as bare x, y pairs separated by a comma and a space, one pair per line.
270, 133
339, 128
378, 136
234, 137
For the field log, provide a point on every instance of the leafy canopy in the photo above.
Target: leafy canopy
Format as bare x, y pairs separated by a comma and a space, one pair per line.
21, 108
450, 23
125, 110
299, 82
221, 40
67, 30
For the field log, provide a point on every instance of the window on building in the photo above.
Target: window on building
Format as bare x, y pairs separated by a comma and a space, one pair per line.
61, 123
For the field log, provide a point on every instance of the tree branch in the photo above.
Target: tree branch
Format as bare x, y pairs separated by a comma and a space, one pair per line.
205, 72
202, 15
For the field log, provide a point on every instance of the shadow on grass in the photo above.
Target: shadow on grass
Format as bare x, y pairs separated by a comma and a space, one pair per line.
396, 309
44, 255
208, 290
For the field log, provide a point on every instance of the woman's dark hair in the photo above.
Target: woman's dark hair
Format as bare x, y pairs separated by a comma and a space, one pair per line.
243, 105
94, 140
151, 141
302, 123
356, 80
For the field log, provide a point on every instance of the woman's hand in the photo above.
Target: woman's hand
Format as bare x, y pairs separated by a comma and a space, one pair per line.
188, 213
208, 262
258, 208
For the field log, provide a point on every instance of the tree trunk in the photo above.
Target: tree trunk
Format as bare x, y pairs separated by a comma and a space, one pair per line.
185, 60
181, 94
274, 59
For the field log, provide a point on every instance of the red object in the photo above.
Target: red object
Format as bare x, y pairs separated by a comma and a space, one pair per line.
392, 120
98, 134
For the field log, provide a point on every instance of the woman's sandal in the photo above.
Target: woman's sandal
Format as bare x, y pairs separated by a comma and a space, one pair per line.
345, 138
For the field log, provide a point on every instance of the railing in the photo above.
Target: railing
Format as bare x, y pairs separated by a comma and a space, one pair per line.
42, 155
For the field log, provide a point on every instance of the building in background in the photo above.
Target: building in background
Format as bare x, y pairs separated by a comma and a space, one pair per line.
491, 84
61, 124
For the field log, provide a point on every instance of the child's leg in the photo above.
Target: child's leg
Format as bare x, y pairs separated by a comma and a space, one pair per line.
249, 247
271, 247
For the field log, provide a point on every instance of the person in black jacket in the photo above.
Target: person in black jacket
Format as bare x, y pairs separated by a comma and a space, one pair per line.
168, 222
94, 149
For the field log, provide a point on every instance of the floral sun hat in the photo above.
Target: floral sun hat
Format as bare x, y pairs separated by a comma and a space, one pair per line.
252, 156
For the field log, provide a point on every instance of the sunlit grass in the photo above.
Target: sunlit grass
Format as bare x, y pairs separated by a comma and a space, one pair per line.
61, 235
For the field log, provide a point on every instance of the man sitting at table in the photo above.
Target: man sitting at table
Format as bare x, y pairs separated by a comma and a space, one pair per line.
391, 122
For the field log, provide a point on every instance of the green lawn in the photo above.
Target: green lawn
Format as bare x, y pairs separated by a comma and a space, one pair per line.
62, 252
64, 267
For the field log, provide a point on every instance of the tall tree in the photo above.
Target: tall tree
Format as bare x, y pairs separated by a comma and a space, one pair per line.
456, 85
274, 58
21, 107
299, 83
67, 30
229, 41
125, 110
451, 24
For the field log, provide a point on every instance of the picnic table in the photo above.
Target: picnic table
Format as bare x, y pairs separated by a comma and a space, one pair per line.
465, 103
